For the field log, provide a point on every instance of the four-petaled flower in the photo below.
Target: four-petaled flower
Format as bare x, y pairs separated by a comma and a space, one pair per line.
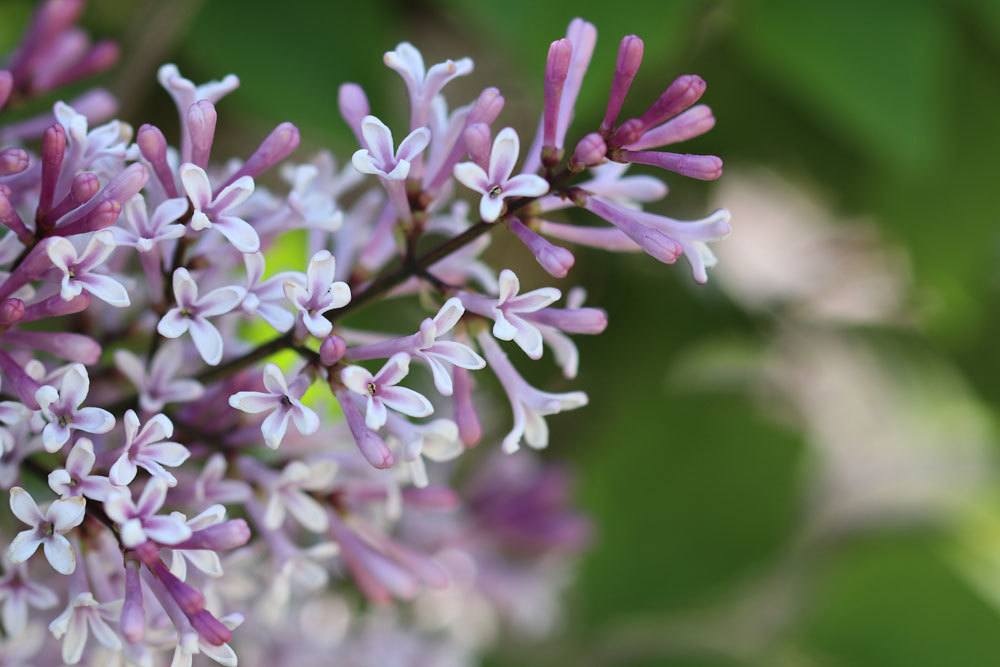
438, 354
283, 400
319, 294
143, 232
48, 529
380, 158
139, 521
507, 309
218, 212
266, 297
18, 593
205, 560
421, 83
529, 405
497, 185
75, 479
83, 611
382, 392
288, 495
61, 409
148, 448
78, 269
157, 387
192, 313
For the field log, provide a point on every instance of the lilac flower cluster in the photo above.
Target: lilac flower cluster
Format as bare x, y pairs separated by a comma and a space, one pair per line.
135, 409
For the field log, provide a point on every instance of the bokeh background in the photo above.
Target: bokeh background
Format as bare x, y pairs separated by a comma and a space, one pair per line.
794, 466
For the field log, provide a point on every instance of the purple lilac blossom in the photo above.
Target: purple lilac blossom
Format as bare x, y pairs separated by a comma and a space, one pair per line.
141, 418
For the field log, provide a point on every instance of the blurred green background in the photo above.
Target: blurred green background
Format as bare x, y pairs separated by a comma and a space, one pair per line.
793, 466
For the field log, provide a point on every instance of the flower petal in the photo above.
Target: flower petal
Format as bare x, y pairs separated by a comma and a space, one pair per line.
59, 552
24, 545
173, 324
185, 288
207, 340
24, 507
66, 513
503, 157
472, 176
526, 185
378, 137
395, 369
196, 185
406, 401
239, 232
93, 420
356, 378
105, 288
165, 529
220, 301
274, 426
414, 143
253, 402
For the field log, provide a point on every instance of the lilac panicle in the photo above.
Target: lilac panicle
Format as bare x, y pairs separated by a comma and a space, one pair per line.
136, 545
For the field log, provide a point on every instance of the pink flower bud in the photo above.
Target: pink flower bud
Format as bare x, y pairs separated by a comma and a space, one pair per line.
590, 151
332, 350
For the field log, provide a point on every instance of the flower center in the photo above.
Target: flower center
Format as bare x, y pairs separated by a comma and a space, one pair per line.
372, 388
495, 191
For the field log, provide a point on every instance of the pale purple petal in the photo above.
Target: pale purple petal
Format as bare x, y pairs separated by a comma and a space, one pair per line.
406, 401
24, 545
254, 401
66, 513
239, 232
356, 378
395, 369
274, 426
207, 340
173, 324
526, 185
196, 185
59, 553
506, 146
165, 529
472, 176
93, 420
24, 507
220, 301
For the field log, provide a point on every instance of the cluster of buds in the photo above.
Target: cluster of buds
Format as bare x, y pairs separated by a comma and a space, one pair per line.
132, 398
